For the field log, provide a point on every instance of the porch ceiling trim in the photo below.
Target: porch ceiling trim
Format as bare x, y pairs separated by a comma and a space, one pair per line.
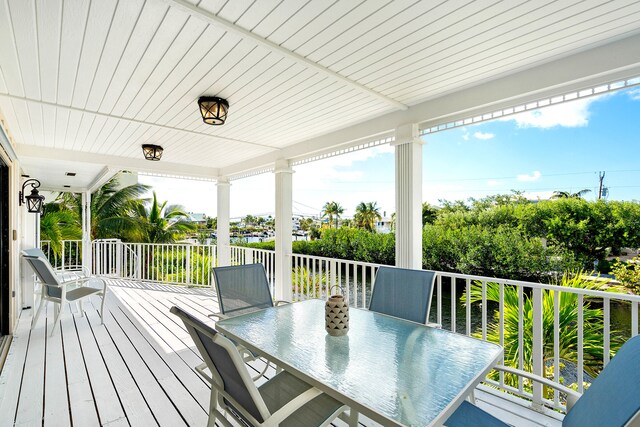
603, 64
213, 19
116, 163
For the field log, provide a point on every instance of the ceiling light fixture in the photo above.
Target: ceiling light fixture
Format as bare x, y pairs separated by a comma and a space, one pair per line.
213, 109
152, 152
34, 200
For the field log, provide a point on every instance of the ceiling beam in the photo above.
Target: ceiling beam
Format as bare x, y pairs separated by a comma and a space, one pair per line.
612, 62
105, 175
215, 20
116, 163
134, 121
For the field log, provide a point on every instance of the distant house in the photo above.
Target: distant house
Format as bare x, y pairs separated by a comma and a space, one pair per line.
384, 225
198, 218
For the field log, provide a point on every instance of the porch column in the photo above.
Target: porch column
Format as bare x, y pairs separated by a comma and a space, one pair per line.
86, 232
222, 229
284, 213
408, 186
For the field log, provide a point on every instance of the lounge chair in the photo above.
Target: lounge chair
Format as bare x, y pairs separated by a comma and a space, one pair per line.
284, 400
612, 400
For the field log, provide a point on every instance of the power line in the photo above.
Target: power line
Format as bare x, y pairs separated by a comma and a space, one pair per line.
545, 175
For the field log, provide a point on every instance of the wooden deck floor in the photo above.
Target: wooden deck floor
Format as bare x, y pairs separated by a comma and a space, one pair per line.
136, 370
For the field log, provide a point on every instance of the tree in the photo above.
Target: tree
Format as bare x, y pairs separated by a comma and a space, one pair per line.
160, 223
367, 214
429, 214
113, 211
332, 211
59, 225
567, 195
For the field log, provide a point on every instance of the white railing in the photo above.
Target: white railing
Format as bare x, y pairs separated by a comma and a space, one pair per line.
181, 264
244, 255
515, 314
69, 257
534, 306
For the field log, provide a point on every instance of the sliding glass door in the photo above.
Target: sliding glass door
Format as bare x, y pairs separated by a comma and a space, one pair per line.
4, 249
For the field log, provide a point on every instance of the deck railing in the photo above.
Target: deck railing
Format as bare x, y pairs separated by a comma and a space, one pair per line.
180, 264
528, 319
68, 258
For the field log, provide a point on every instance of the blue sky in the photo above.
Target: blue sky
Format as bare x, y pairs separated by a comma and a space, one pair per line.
561, 147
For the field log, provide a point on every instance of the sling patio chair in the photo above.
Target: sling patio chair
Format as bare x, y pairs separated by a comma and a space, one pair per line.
612, 400
60, 291
68, 273
403, 293
284, 400
243, 289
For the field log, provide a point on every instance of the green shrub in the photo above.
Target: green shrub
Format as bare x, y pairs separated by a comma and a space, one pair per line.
628, 273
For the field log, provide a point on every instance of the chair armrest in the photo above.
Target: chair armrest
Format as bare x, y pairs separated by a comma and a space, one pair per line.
572, 396
201, 370
281, 302
293, 405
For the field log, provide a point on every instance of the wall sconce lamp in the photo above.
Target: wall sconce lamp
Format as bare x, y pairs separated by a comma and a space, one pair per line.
34, 200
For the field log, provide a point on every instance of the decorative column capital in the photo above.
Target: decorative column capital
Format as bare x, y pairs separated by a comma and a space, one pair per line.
283, 166
222, 181
407, 133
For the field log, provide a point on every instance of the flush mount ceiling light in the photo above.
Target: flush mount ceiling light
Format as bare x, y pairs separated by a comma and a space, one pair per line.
33, 200
152, 152
213, 109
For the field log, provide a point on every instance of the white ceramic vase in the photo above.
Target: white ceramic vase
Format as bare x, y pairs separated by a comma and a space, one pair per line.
336, 317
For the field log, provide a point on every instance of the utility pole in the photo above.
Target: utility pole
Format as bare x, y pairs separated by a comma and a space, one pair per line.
601, 186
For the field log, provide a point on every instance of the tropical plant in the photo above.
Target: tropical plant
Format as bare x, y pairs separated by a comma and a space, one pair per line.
332, 211
113, 211
568, 311
628, 273
367, 214
159, 223
429, 214
306, 283
56, 226
568, 195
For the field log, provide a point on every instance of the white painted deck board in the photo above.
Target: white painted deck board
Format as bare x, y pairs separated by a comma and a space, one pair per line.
136, 369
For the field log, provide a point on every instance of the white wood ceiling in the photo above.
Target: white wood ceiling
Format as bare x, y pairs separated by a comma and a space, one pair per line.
105, 76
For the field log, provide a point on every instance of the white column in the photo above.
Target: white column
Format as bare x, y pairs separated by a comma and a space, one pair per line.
284, 228
86, 232
222, 231
408, 155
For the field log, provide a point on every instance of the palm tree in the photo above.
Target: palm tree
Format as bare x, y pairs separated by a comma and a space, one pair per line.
367, 214
113, 211
159, 223
332, 210
567, 195
58, 225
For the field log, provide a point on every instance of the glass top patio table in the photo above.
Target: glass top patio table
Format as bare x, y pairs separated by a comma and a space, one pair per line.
393, 371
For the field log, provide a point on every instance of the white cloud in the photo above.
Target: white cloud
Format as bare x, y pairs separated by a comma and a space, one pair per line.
465, 136
529, 178
483, 135
493, 183
634, 94
569, 114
